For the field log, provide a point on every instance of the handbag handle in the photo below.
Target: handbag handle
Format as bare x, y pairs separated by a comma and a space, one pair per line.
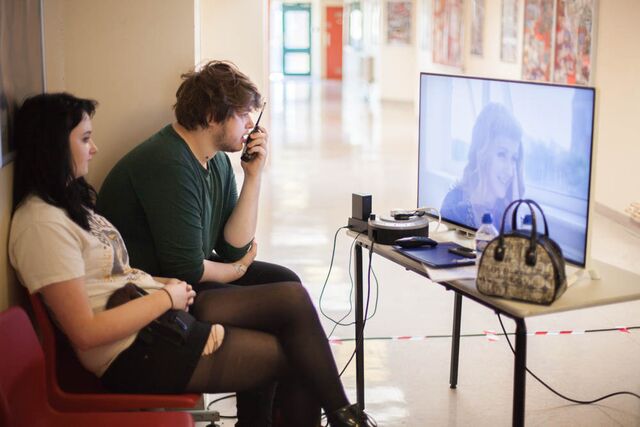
531, 256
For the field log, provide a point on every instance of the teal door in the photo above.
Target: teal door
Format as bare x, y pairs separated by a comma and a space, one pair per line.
296, 41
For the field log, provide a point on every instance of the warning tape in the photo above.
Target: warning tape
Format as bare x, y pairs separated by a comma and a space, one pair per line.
491, 336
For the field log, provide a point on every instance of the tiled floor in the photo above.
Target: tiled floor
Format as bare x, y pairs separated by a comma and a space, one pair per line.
327, 143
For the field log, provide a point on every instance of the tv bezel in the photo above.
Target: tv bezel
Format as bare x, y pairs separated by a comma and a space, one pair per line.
466, 228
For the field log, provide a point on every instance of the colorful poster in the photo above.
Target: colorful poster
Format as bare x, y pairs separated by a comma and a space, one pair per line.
574, 35
536, 50
477, 26
509, 31
447, 32
399, 22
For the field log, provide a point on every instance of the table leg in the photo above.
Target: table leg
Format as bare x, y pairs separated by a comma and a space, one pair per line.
520, 373
455, 341
359, 328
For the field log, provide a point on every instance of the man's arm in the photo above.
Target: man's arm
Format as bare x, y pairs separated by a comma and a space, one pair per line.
241, 225
224, 273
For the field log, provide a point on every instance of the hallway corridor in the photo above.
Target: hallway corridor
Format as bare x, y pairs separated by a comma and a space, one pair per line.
327, 144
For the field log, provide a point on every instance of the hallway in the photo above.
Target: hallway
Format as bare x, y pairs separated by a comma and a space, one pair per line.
326, 145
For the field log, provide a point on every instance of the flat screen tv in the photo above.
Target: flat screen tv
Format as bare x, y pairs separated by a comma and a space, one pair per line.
485, 142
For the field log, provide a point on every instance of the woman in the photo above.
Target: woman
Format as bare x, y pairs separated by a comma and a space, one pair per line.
493, 176
246, 338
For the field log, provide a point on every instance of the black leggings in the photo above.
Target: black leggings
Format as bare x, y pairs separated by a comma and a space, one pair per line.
272, 332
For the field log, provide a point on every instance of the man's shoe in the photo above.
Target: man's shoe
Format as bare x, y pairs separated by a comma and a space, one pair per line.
350, 416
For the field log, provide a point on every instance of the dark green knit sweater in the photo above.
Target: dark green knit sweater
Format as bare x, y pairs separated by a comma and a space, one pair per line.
170, 210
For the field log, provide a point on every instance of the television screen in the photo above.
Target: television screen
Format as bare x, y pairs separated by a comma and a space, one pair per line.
485, 142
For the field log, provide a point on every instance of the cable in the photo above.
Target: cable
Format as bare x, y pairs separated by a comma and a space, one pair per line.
582, 402
360, 343
340, 321
326, 280
228, 396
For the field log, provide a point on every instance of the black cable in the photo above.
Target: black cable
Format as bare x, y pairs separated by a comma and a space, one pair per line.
582, 402
326, 280
324, 286
228, 396
366, 312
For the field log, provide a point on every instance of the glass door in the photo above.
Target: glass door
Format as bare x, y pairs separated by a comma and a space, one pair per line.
296, 44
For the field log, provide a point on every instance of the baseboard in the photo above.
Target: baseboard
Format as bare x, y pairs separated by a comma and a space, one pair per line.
617, 217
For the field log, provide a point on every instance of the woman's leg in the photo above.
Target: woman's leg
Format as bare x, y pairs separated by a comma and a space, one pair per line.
252, 360
284, 310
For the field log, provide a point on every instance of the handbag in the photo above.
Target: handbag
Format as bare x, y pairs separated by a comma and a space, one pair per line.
173, 325
526, 266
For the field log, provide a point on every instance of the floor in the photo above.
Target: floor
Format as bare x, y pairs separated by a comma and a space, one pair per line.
328, 142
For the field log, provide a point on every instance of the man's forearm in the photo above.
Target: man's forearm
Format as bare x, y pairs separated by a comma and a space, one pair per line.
241, 226
221, 272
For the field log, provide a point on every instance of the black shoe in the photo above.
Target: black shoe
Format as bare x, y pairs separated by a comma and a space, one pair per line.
350, 416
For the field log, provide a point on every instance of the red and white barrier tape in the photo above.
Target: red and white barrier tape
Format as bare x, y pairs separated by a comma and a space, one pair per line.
491, 336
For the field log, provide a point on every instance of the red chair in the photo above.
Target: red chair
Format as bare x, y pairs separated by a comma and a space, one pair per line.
72, 388
23, 395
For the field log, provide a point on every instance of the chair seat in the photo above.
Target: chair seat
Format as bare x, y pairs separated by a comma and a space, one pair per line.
23, 394
72, 388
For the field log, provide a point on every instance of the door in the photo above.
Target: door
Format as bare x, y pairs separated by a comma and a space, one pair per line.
296, 44
334, 42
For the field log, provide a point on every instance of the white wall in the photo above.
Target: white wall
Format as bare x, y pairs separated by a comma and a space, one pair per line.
397, 64
237, 31
128, 55
617, 83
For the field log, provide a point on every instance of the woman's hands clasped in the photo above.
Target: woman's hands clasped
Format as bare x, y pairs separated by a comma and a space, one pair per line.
181, 293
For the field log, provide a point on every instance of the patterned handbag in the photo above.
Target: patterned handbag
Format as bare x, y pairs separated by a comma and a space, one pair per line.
521, 265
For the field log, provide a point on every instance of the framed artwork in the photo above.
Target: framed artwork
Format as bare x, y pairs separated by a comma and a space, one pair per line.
574, 41
21, 63
536, 48
509, 31
399, 17
477, 26
447, 32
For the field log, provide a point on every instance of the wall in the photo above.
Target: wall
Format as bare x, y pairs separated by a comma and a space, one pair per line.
128, 55
396, 64
237, 31
618, 92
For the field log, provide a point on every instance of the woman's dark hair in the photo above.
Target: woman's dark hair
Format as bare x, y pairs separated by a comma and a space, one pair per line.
44, 164
216, 91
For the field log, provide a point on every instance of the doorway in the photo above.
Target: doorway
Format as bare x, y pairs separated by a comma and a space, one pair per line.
334, 42
296, 42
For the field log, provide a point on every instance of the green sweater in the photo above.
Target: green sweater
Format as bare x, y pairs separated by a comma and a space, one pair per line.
170, 211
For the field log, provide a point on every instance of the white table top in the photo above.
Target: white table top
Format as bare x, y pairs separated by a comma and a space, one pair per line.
614, 286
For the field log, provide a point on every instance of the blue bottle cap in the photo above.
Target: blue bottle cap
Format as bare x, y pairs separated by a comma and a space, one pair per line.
527, 220
487, 218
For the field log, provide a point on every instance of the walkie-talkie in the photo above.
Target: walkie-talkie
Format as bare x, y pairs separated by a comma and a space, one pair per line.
246, 156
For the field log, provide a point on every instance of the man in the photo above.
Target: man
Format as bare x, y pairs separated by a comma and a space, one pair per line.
175, 202
174, 197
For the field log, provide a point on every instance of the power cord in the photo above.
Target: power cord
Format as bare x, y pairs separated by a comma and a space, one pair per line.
582, 402
228, 396
366, 313
324, 286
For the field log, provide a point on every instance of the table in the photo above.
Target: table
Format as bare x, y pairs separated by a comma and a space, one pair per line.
614, 285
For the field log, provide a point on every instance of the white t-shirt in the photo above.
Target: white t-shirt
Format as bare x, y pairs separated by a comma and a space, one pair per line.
46, 246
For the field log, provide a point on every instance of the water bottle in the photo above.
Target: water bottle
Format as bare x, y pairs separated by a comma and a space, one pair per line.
527, 225
486, 233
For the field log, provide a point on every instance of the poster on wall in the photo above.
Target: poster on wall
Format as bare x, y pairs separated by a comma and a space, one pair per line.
399, 22
21, 63
477, 26
536, 49
573, 45
447, 32
509, 31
